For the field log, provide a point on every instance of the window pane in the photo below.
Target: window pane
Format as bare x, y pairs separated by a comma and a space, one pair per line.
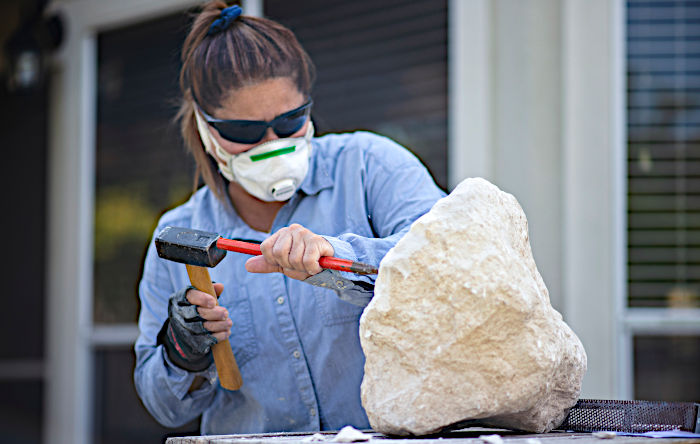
381, 66
666, 368
663, 128
21, 411
119, 415
141, 164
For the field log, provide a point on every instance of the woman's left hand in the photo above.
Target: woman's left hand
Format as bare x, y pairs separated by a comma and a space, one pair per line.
293, 250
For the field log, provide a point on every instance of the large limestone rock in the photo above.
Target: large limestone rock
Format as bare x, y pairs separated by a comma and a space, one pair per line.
461, 327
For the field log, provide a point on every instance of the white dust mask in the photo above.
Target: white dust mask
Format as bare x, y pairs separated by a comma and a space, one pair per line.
271, 171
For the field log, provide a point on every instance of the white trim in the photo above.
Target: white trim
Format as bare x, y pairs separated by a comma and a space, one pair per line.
70, 213
114, 335
589, 213
94, 15
525, 146
663, 321
625, 363
113, 14
623, 374
469, 91
252, 7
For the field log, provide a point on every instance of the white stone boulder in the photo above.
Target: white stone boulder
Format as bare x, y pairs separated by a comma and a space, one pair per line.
461, 327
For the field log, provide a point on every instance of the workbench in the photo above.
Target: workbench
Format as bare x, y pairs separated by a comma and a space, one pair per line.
464, 436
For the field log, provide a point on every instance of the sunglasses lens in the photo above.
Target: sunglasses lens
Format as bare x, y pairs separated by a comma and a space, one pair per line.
290, 124
241, 132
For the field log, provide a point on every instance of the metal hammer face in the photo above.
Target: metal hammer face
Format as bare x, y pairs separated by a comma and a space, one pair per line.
193, 247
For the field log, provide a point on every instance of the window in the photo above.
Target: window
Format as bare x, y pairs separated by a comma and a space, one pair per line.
381, 66
141, 164
666, 367
663, 128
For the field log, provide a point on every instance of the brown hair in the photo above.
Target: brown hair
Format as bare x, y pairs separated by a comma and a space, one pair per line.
250, 50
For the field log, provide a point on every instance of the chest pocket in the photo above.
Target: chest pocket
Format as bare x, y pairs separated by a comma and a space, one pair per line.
334, 310
243, 339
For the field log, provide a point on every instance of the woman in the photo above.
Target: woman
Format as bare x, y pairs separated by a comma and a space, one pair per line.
293, 327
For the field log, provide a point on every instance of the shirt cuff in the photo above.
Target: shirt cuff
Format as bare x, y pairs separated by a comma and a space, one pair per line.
343, 250
180, 380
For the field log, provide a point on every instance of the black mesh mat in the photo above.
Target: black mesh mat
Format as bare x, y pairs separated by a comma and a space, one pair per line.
590, 415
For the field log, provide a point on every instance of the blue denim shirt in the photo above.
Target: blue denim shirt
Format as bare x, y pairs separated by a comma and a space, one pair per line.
297, 345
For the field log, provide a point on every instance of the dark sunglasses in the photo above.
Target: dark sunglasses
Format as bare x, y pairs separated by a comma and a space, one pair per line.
252, 131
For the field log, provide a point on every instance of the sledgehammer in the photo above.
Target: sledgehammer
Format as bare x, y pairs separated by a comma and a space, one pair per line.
193, 248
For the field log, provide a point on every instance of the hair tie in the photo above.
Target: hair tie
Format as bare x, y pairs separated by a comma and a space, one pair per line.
228, 16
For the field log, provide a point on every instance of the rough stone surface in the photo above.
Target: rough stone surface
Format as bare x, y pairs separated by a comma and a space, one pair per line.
461, 326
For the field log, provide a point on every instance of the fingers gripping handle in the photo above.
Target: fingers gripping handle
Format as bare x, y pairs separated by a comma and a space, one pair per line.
226, 367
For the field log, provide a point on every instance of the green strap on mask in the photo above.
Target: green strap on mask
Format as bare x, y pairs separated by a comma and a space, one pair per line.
278, 152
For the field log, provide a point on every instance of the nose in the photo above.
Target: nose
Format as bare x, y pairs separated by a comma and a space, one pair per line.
269, 135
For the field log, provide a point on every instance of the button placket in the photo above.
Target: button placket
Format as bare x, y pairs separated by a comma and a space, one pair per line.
293, 344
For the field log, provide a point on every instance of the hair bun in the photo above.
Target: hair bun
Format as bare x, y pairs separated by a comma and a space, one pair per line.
228, 16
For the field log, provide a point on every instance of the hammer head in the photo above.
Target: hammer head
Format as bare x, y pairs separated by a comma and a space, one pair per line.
193, 247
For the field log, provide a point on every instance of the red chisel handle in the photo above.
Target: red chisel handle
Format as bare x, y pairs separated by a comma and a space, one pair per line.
331, 262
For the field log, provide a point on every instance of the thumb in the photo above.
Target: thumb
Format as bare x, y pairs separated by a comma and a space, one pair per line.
258, 264
218, 288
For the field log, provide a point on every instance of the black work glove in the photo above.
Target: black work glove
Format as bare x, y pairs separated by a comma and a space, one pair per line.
183, 335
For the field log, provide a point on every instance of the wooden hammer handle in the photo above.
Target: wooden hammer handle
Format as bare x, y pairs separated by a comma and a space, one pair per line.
226, 367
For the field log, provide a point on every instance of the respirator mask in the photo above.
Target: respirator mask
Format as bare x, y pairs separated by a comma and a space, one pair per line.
271, 171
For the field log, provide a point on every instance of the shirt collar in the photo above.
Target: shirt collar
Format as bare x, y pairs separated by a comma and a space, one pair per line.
319, 175
224, 217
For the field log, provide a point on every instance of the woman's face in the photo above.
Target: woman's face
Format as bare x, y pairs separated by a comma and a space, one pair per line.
261, 101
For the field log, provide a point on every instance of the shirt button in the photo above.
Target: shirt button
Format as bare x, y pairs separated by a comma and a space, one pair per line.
296, 354
312, 412
280, 300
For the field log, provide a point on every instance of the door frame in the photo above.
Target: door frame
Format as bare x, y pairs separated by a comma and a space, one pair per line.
71, 334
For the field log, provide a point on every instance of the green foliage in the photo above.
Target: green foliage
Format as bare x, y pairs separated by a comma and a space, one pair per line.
121, 215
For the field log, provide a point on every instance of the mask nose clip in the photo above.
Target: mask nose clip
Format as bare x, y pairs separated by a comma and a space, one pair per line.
283, 190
